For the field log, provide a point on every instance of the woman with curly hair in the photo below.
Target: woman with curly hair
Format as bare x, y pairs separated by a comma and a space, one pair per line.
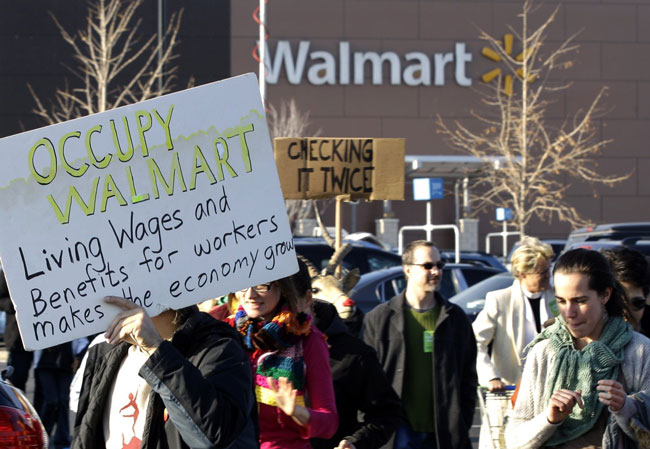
290, 361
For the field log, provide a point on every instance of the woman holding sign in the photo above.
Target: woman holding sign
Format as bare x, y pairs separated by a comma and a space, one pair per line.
581, 371
178, 380
290, 362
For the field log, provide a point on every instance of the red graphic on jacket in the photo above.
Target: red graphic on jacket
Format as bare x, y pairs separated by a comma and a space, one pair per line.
134, 442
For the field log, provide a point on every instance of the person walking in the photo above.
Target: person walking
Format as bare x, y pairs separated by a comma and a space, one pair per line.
289, 360
631, 269
368, 407
427, 349
512, 317
580, 371
178, 380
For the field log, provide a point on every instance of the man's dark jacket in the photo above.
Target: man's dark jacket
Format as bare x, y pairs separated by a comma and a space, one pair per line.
202, 378
360, 385
454, 364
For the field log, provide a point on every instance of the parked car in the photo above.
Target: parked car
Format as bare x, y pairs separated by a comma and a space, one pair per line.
20, 425
473, 258
636, 243
364, 255
472, 299
609, 231
379, 286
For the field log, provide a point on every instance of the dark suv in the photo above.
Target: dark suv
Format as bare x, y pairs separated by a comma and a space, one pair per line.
636, 243
610, 231
364, 256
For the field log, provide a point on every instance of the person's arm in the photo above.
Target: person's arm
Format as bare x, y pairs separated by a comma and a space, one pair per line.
381, 408
78, 378
469, 381
637, 358
209, 404
484, 327
529, 427
323, 417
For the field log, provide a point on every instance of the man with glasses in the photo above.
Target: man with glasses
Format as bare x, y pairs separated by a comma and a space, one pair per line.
630, 268
427, 349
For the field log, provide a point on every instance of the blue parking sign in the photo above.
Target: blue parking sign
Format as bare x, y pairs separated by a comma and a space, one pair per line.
425, 189
504, 214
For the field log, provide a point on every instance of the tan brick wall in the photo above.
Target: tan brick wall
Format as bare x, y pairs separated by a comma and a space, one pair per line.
614, 52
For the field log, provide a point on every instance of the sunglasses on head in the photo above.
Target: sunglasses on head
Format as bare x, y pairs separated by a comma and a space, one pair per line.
637, 303
429, 265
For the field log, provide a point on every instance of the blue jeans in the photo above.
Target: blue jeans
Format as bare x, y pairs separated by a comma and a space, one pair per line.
406, 438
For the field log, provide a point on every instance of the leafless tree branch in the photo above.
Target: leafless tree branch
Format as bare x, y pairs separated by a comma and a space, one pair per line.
538, 156
289, 121
109, 46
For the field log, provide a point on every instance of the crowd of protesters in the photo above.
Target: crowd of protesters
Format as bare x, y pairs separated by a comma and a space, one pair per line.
273, 367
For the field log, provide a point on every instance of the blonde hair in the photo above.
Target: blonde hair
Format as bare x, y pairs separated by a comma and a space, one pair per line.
527, 256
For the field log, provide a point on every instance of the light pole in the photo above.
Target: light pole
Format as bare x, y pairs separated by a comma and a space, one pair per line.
262, 49
161, 29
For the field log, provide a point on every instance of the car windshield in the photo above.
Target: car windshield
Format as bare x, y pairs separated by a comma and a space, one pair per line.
473, 298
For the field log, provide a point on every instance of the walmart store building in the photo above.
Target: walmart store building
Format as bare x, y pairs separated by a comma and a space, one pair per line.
314, 49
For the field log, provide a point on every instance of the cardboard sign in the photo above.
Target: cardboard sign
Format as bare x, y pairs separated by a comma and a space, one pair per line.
167, 203
357, 168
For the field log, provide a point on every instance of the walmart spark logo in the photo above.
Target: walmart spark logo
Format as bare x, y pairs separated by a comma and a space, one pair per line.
507, 45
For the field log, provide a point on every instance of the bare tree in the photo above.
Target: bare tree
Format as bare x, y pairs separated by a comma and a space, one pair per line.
110, 49
289, 121
536, 157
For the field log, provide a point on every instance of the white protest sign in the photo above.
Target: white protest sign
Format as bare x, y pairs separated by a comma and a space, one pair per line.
167, 202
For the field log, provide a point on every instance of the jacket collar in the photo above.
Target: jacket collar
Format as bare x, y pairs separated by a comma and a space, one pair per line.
183, 336
398, 303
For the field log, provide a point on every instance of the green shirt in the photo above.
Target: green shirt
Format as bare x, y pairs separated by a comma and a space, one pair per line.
417, 389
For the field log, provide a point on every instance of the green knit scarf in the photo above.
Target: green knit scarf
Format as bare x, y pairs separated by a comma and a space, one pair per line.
581, 370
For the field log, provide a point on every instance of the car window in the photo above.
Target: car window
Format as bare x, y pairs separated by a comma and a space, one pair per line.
379, 261
391, 289
480, 290
319, 255
399, 284
447, 287
474, 276
357, 258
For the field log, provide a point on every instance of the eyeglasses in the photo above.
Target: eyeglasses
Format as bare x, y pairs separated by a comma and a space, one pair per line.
429, 265
637, 303
262, 288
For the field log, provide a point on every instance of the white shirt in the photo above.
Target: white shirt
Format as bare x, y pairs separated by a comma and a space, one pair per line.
126, 408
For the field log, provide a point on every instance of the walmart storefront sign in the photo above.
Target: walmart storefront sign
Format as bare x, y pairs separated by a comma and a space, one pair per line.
413, 69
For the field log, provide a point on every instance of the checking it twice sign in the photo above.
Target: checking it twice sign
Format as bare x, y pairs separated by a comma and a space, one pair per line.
167, 203
352, 168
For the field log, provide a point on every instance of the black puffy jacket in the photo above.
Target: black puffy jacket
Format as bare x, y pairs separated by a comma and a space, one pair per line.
203, 374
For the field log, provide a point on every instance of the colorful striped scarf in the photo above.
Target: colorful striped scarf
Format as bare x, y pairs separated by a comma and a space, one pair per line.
277, 347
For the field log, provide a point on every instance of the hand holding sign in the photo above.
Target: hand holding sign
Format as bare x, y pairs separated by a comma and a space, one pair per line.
134, 325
